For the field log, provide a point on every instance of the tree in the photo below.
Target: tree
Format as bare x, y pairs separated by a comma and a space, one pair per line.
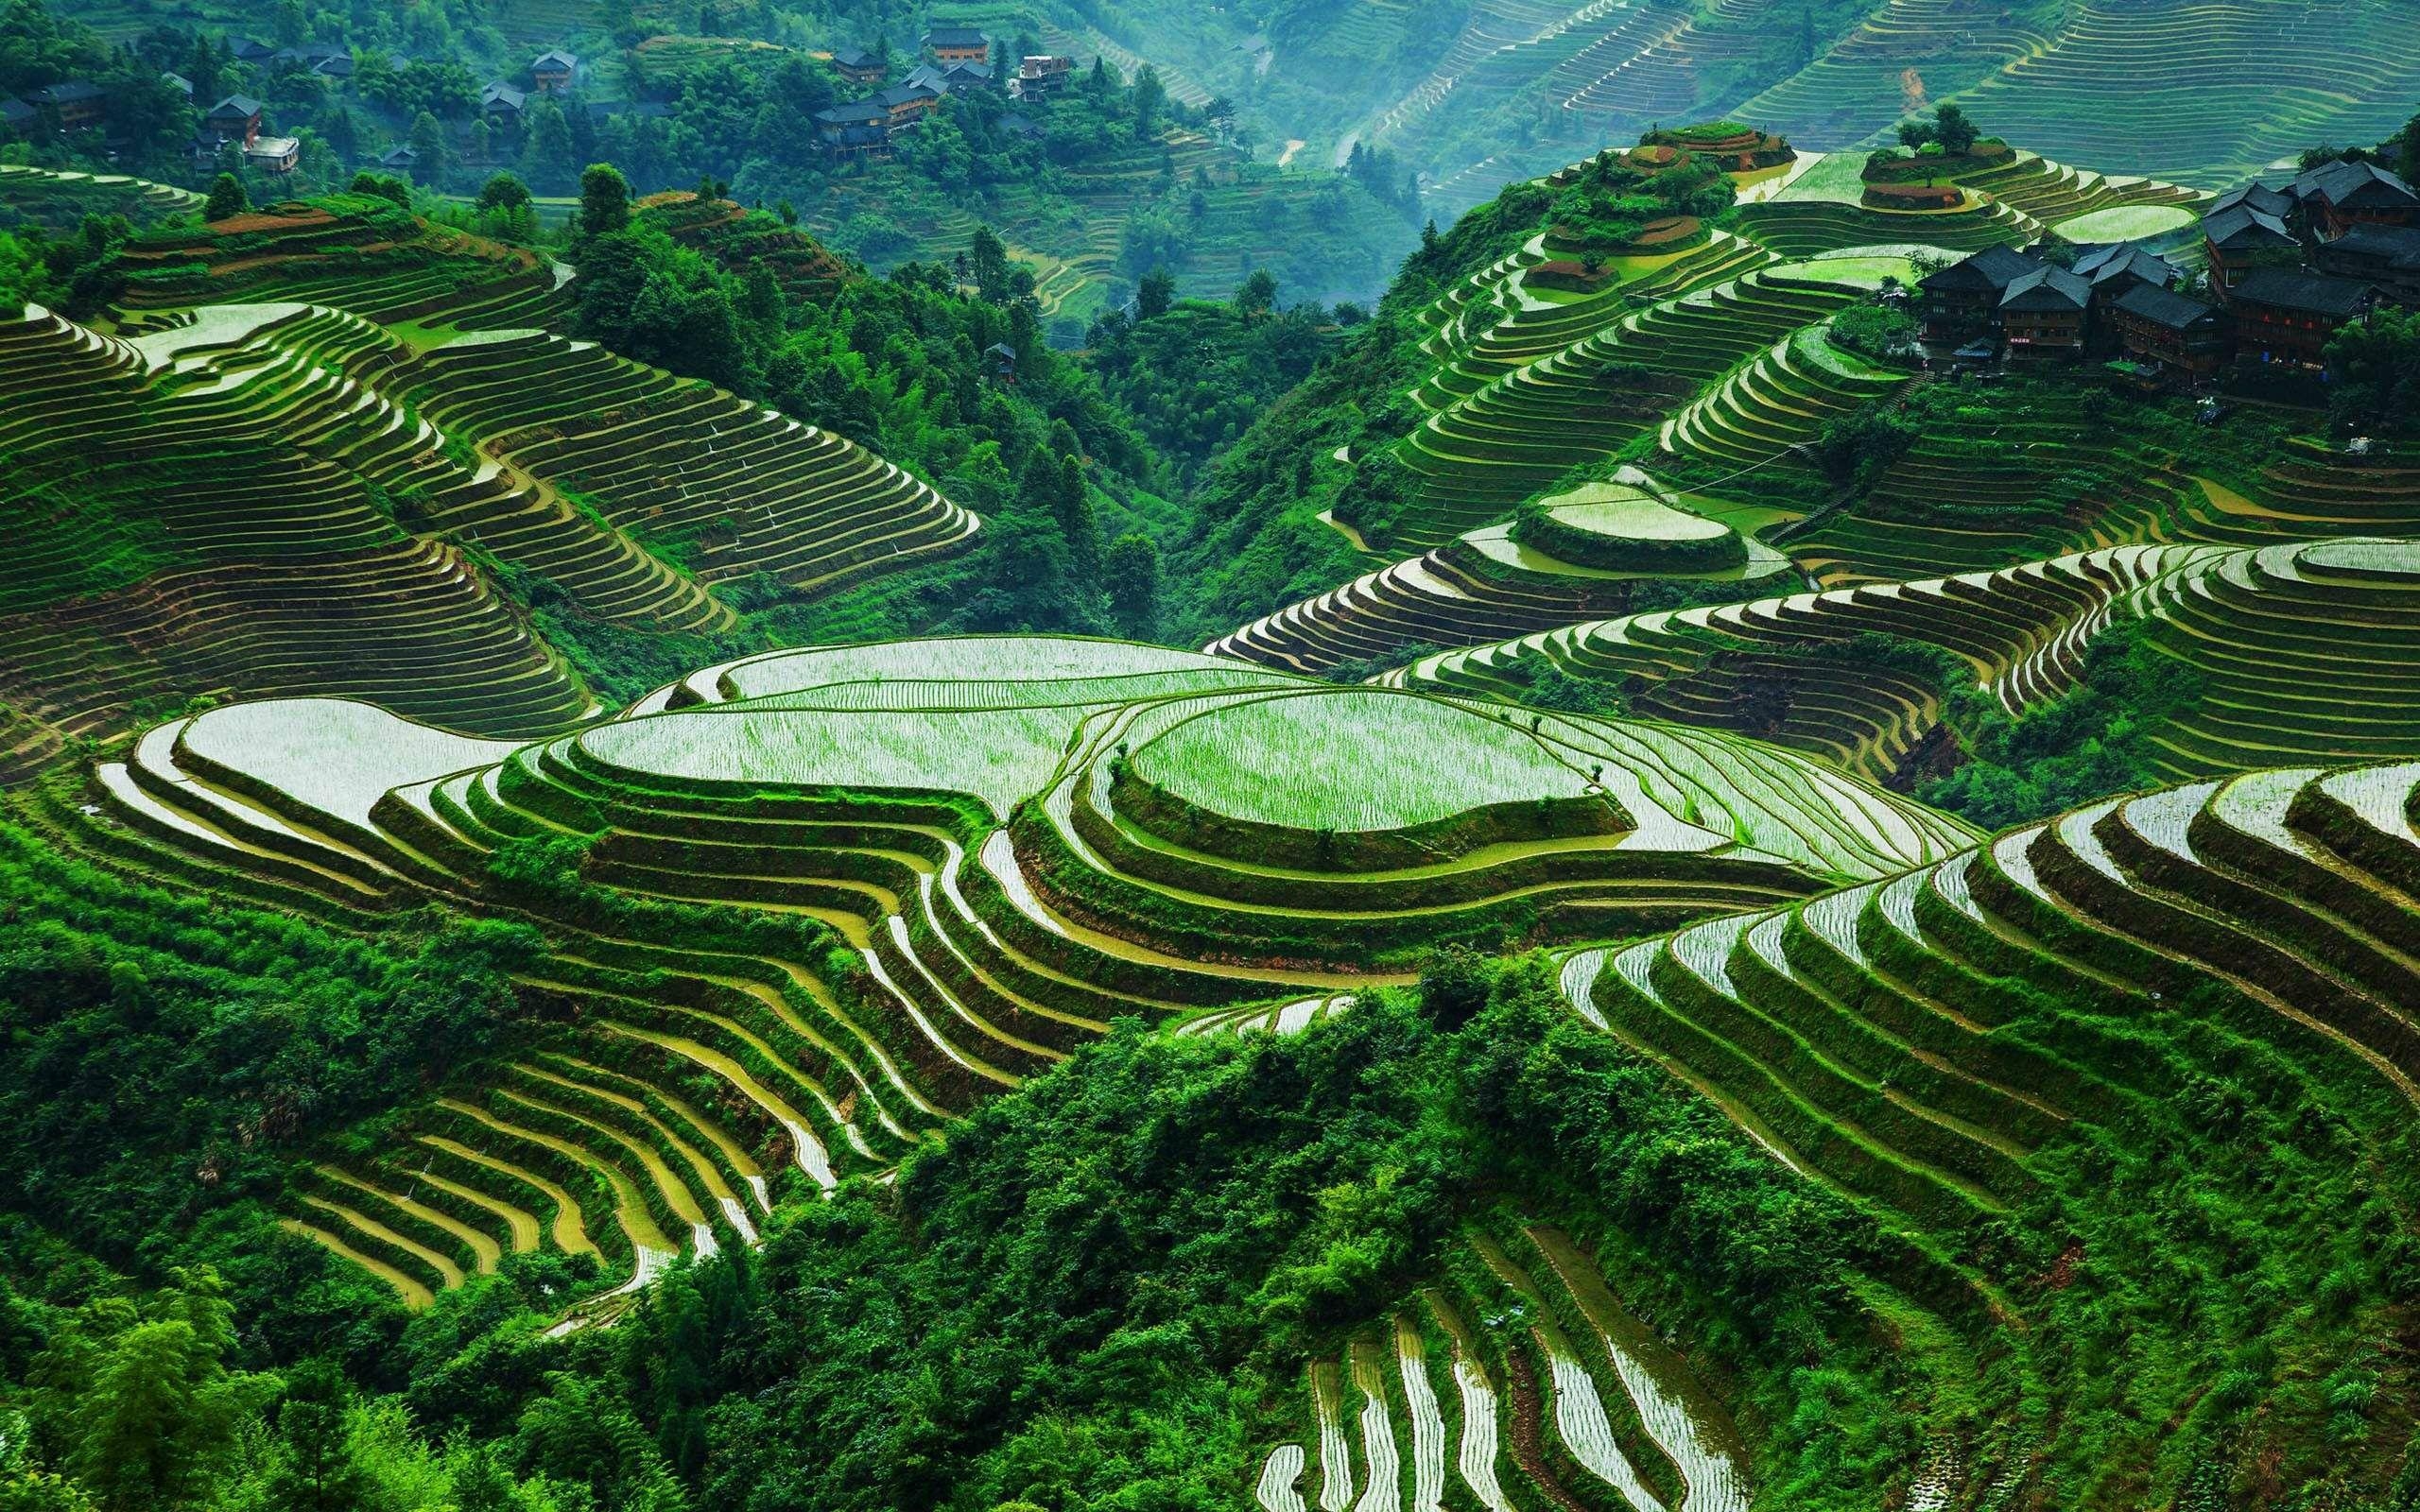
1073, 507
433, 156
1156, 295
1151, 97
142, 1398
227, 198
385, 187
1258, 294
604, 200
1949, 126
314, 1472
1131, 573
2402, 150
1953, 130
546, 156
990, 260
2376, 369
503, 192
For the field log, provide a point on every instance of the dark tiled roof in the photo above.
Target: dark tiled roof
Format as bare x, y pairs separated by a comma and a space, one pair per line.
2396, 245
235, 107
898, 94
2244, 227
642, 110
500, 92
854, 111
2047, 288
2125, 260
67, 91
2346, 183
1995, 268
2164, 307
1016, 124
554, 57
855, 58
2287, 288
399, 157
14, 111
2258, 197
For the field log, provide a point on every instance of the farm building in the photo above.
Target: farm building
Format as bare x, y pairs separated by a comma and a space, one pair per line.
2339, 195
2044, 313
2243, 238
2168, 330
957, 44
1962, 298
2387, 256
858, 65
2285, 315
80, 105
553, 70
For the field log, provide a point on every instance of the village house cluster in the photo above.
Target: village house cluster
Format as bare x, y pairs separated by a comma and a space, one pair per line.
235, 122
956, 59
2288, 268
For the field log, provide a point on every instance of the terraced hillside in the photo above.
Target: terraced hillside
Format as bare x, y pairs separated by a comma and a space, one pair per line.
2042, 74
1452, 1396
2280, 637
738, 239
1975, 1050
59, 199
263, 499
1324, 237
353, 253
1483, 582
801, 910
1722, 355
804, 906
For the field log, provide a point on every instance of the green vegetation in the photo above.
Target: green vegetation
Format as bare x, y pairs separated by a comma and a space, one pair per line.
2092, 741
589, 921
1620, 528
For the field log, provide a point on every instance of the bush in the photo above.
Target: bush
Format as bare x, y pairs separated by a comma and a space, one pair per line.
1881, 332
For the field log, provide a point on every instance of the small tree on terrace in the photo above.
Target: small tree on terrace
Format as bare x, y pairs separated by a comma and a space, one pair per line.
1156, 295
1953, 130
432, 155
1131, 572
1258, 295
227, 198
604, 199
1950, 127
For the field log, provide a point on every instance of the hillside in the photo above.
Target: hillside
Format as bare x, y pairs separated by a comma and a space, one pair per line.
898, 820
1526, 84
797, 912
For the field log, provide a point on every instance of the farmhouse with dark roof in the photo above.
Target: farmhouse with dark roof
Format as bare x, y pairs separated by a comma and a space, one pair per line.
2286, 315
957, 44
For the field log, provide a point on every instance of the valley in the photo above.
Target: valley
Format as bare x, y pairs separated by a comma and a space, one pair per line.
1619, 758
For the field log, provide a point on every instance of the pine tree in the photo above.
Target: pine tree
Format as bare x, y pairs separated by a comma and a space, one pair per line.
314, 1472
1131, 573
1073, 507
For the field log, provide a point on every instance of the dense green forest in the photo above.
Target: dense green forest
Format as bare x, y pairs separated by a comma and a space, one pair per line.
1088, 1295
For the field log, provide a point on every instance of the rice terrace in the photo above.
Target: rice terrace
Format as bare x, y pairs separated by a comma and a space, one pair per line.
1504, 755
